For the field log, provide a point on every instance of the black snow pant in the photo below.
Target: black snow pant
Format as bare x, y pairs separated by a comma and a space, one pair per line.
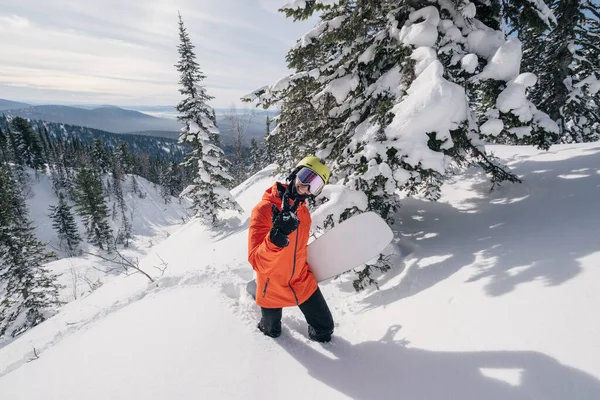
316, 312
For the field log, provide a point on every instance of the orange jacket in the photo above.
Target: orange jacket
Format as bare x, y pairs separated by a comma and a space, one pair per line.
283, 277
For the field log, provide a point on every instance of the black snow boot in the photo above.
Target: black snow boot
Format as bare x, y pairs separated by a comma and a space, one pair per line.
322, 338
271, 333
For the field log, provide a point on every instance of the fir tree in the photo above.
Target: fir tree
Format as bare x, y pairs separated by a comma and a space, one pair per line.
208, 190
166, 175
26, 144
4, 149
567, 60
90, 203
30, 292
65, 226
256, 157
268, 156
370, 93
100, 156
135, 187
124, 158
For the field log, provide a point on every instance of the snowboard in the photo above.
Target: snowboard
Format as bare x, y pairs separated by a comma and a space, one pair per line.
344, 247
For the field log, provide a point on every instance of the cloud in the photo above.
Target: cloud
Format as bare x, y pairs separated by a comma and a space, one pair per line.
125, 51
13, 21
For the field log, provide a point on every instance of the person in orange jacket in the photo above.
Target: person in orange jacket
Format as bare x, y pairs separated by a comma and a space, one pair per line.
277, 249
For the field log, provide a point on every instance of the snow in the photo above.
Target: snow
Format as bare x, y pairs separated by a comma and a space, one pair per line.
514, 99
433, 104
340, 88
339, 198
368, 55
281, 84
469, 10
152, 222
469, 63
492, 127
390, 82
424, 33
484, 42
491, 296
544, 12
505, 63
424, 56
592, 83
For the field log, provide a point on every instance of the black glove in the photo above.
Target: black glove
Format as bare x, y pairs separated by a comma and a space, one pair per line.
284, 222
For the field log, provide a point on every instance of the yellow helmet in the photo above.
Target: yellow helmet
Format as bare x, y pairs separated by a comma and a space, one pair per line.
316, 165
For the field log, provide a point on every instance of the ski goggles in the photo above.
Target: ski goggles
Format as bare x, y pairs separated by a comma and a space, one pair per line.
310, 178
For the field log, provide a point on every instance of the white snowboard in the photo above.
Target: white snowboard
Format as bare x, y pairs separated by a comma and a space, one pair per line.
348, 245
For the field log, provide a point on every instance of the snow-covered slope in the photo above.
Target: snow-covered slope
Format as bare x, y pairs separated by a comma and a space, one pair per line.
151, 219
493, 296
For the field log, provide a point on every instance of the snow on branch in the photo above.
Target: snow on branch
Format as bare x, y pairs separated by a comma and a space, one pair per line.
326, 26
544, 12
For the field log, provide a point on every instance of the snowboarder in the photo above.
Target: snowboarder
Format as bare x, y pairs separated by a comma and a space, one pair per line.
277, 249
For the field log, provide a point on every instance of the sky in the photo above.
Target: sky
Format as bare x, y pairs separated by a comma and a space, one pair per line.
123, 52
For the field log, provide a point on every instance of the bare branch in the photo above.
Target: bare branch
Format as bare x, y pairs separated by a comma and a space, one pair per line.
35, 356
124, 263
165, 266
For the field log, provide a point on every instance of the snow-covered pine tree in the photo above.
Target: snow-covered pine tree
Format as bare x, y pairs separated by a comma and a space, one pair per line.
64, 224
384, 92
46, 144
4, 147
30, 292
89, 199
566, 58
209, 189
256, 157
118, 177
27, 145
100, 156
17, 164
268, 157
124, 158
164, 181
176, 179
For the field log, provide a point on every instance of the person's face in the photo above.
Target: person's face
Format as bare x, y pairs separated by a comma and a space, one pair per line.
301, 188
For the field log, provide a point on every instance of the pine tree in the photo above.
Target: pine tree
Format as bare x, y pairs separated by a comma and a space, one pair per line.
100, 156
256, 157
209, 191
90, 203
176, 179
566, 58
371, 90
65, 226
30, 292
135, 187
124, 158
4, 149
27, 145
166, 175
268, 156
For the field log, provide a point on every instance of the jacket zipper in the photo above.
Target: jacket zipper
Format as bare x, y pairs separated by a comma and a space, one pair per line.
294, 268
265, 289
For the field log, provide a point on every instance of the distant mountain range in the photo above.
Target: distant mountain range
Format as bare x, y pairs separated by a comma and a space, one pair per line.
131, 121
7, 104
160, 147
